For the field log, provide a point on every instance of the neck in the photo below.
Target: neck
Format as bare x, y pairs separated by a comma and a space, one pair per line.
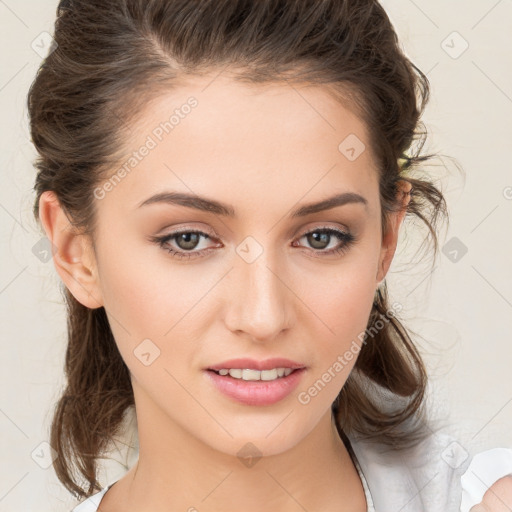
177, 471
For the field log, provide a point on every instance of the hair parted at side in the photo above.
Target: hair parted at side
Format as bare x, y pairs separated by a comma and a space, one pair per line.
121, 53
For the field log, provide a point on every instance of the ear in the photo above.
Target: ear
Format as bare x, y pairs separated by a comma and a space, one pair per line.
390, 238
73, 257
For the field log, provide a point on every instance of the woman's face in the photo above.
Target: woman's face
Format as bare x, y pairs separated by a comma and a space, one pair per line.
261, 282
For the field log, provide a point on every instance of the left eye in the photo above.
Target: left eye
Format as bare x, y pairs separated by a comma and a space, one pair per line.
320, 237
188, 240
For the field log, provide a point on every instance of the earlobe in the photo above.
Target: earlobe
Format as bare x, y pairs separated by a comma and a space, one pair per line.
73, 257
390, 239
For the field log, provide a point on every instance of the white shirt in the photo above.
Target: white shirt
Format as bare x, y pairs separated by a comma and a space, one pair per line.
437, 475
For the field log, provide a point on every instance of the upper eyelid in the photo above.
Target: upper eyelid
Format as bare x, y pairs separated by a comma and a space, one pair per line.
212, 234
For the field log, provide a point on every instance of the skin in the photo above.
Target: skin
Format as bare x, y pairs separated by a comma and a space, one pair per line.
264, 150
498, 497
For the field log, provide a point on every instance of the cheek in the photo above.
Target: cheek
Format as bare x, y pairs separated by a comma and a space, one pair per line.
346, 302
342, 298
341, 301
147, 297
142, 290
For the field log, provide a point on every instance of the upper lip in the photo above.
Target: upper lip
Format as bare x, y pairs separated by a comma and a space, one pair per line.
253, 364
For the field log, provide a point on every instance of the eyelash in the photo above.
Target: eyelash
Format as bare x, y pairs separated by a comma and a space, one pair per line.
347, 238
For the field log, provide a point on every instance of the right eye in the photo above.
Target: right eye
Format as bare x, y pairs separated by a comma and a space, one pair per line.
188, 239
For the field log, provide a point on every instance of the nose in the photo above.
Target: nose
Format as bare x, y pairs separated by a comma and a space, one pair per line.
259, 302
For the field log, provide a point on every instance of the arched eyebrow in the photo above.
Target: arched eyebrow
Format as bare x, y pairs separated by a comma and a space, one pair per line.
210, 205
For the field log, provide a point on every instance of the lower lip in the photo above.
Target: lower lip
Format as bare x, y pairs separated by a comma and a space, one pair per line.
256, 392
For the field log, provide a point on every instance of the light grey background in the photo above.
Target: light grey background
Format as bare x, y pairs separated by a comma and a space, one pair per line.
461, 314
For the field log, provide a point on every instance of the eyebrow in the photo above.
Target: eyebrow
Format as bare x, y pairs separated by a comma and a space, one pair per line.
210, 205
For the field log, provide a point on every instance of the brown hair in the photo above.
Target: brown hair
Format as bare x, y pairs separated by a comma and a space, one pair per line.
123, 52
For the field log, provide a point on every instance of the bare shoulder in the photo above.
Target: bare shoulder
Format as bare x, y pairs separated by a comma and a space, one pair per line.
498, 497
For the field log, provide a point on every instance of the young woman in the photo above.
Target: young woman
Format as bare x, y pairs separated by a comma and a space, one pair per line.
224, 183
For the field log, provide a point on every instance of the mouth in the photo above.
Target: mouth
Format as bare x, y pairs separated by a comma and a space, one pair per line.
256, 387
247, 374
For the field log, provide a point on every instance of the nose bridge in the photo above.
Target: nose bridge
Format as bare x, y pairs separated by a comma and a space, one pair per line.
259, 303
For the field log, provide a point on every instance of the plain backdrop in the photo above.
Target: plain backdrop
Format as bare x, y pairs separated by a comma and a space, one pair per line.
460, 314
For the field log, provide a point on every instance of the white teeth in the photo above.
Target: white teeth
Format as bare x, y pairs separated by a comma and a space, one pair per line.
247, 374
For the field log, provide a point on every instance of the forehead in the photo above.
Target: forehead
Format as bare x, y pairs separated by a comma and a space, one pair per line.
222, 138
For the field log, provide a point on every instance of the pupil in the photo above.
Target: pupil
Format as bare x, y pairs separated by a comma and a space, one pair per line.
186, 237
323, 237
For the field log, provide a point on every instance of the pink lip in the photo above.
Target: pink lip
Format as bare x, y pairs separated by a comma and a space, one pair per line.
252, 364
256, 392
